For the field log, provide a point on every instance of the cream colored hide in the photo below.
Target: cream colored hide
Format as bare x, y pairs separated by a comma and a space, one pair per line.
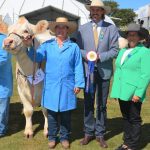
14, 44
122, 42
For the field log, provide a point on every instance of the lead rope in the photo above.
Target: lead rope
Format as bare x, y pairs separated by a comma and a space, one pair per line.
34, 65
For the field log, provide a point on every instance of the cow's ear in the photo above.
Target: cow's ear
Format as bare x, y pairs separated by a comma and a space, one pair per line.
42, 26
32, 28
123, 43
1, 18
22, 20
3, 27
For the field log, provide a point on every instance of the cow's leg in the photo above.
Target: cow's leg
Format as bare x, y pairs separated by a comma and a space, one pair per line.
28, 111
25, 96
45, 132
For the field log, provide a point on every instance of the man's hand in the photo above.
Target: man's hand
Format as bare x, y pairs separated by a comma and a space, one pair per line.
135, 99
76, 90
98, 58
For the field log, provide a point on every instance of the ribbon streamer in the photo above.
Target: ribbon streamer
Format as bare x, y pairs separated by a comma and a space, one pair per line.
90, 77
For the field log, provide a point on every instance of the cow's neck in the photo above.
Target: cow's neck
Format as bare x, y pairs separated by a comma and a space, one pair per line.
25, 63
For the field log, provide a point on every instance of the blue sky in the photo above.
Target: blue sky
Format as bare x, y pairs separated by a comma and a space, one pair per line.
134, 4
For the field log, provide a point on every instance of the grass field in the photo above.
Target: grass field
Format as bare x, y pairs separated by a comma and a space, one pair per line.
15, 140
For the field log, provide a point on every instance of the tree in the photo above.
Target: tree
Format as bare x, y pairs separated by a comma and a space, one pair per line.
126, 15
113, 5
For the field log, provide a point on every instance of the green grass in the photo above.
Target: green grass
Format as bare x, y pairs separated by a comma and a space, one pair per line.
15, 140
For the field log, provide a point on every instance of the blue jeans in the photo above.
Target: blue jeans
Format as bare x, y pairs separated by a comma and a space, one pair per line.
4, 113
96, 126
64, 127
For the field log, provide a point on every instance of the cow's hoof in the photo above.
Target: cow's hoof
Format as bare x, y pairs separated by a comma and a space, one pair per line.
28, 136
46, 135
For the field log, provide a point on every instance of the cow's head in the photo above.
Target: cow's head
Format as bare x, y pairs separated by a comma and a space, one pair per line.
21, 31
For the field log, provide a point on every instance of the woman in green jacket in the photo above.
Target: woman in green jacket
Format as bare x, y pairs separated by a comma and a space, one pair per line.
131, 79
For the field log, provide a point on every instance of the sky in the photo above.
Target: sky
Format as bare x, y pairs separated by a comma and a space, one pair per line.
134, 4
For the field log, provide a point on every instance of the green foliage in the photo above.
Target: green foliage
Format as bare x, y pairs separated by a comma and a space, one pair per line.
126, 15
114, 5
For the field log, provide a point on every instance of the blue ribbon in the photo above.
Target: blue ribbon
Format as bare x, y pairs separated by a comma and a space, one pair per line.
90, 77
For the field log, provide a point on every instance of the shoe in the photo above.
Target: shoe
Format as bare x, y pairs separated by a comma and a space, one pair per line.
122, 147
65, 144
86, 140
52, 144
102, 142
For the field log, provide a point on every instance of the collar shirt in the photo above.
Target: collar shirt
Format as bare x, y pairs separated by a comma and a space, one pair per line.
125, 54
99, 25
65, 41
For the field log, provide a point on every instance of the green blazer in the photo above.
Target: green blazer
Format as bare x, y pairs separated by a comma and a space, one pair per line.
133, 76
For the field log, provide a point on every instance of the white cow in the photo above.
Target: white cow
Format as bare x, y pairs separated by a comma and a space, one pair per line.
25, 67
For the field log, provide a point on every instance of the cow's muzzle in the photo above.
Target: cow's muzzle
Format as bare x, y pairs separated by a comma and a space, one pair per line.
8, 42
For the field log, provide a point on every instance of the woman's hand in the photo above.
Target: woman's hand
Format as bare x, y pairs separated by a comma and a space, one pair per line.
28, 39
135, 99
76, 90
27, 42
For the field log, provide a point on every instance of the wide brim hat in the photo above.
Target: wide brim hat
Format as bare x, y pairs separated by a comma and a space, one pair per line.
98, 3
72, 26
133, 27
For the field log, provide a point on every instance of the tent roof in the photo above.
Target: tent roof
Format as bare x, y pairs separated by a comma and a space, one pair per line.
49, 13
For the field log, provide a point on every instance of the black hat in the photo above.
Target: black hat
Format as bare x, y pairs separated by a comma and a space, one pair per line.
145, 33
136, 28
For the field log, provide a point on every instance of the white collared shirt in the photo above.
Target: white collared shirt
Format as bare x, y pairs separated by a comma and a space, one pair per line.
125, 54
63, 41
99, 25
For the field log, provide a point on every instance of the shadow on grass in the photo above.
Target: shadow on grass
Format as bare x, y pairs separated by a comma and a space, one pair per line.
145, 138
17, 119
114, 125
77, 121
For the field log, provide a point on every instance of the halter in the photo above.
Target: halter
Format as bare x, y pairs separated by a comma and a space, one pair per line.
21, 37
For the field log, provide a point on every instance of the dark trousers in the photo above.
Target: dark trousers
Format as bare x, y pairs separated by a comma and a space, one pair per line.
54, 127
132, 122
96, 126
4, 115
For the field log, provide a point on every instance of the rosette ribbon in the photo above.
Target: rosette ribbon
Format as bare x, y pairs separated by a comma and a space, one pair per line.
91, 57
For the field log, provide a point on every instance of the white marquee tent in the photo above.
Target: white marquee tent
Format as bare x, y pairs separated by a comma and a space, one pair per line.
143, 13
36, 10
